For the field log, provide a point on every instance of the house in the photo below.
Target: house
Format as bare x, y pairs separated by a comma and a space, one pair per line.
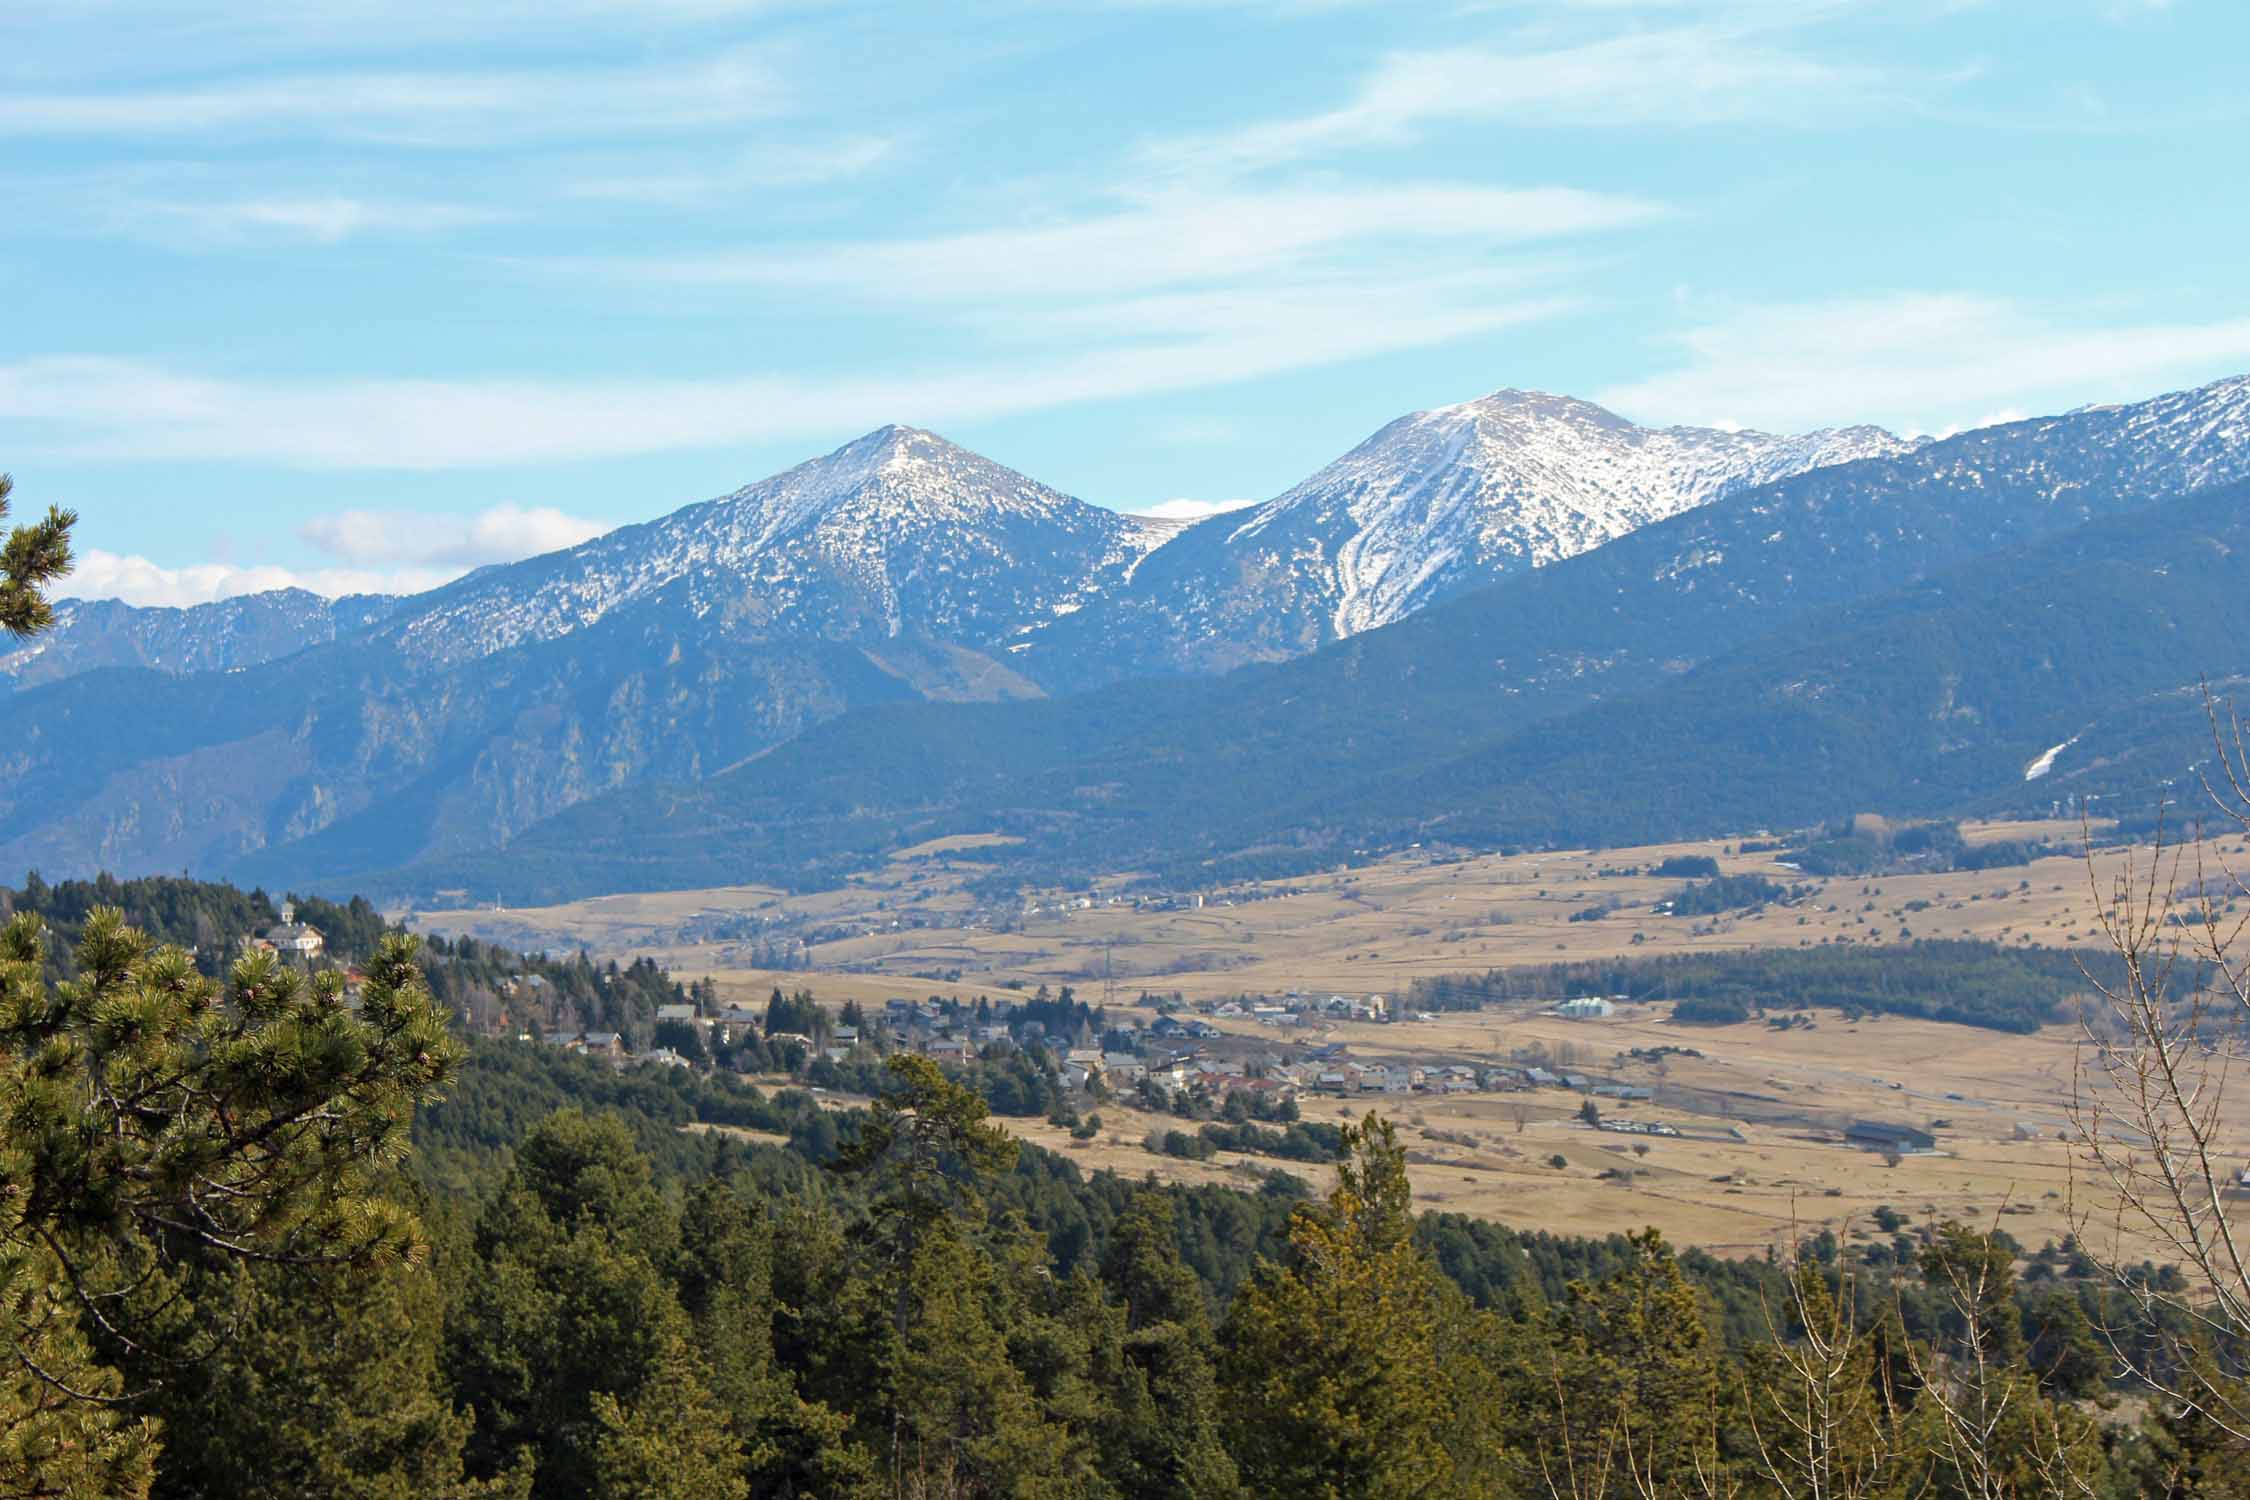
664, 1056
1586, 1008
294, 940
684, 1014
734, 1023
1876, 1135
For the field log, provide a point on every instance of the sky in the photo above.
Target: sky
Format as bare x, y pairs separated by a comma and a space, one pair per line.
358, 294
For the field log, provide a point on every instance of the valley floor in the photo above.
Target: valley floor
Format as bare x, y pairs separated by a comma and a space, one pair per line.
1760, 1159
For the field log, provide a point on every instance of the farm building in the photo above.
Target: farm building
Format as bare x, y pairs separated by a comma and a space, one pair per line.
1875, 1135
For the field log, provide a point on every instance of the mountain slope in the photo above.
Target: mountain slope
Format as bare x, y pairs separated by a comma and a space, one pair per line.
1435, 503
1279, 766
1995, 687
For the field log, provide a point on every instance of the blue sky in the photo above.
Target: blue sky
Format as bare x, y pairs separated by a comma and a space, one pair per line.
359, 293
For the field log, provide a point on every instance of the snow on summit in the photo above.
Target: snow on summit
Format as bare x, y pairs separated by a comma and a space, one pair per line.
1513, 479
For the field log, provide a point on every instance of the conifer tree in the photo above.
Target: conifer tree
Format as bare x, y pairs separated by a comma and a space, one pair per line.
156, 1136
1334, 1383
1627, 1404
671, 1441
32, 557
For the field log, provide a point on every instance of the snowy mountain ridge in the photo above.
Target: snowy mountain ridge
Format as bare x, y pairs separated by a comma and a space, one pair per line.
1513, 479
1433, 504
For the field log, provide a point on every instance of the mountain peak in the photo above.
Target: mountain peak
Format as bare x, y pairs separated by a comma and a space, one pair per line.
1513, 479
1512, 402
897, 530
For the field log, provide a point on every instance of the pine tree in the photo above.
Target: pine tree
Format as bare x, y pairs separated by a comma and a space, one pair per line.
32, 557
156, 1137
323, 1383
671, 1441
1155, 1363
725, 1279
1627, 1396
957, 1413
1335, 1387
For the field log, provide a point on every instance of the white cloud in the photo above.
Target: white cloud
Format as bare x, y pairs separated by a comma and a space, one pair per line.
468, 109
136, 580
1193, 510
1680, 76
375, 553
1918, 361
501, 533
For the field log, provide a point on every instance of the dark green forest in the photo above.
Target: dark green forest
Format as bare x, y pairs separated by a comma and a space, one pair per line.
1960, 980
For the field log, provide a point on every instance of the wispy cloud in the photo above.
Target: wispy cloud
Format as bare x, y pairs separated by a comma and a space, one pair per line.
1693, 75
430, 109
1168, 292
1165, 239
1917, 361
317, 219
99, 410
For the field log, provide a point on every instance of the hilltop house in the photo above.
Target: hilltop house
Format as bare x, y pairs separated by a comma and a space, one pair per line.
294, 940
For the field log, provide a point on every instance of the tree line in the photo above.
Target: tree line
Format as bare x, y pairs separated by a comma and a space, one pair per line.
1963, 980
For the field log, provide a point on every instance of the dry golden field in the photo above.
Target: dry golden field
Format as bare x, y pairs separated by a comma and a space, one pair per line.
1377, 927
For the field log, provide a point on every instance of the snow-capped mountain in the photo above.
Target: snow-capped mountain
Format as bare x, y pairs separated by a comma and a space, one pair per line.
897, 533
1518, 478
1435, 502
1904, 632
901, 569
